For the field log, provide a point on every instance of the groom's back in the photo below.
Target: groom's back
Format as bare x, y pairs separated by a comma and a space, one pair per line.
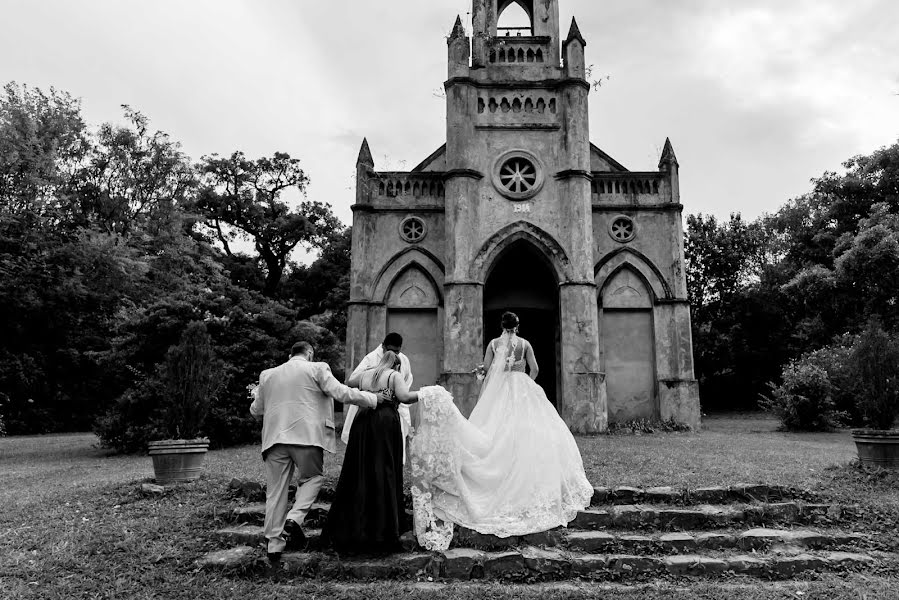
293, 383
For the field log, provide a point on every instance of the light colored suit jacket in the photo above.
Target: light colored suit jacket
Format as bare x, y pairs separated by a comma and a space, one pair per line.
371, 361
294, 400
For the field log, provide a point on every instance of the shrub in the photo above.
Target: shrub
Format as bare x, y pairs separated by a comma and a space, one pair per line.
642, 425
192, 377
804, 400
834, 359
874, 365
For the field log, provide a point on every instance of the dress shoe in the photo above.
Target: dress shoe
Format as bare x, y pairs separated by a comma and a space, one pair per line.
274, 558
296, 539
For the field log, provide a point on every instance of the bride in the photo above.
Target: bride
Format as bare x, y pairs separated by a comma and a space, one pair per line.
512, 468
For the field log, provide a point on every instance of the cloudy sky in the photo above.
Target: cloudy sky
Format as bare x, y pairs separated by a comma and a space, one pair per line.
757, 96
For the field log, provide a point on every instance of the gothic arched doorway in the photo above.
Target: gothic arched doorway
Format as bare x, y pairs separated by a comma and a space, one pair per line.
412, 311
627, 347
522, 280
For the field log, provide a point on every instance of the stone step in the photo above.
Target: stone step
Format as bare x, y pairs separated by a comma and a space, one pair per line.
667, 518
255, 513
530, 564
252, 535
609, 541
640, 516
741, 492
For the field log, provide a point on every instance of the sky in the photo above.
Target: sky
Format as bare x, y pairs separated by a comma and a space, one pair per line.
757, 96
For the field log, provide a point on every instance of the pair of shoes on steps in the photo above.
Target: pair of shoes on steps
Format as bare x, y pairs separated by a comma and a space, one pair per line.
296, 539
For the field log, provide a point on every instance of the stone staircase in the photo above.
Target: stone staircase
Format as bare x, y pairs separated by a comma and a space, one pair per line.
627, 534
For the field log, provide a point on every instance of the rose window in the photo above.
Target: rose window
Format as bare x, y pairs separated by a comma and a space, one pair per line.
413, 230
622, 229
518, 175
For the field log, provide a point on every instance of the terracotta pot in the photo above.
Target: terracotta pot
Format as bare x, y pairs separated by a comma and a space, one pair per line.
178, 460
877, 447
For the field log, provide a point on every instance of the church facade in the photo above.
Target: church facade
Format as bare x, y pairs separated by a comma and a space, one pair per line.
519, 211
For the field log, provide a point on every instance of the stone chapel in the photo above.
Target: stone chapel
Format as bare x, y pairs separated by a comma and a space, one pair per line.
519, 211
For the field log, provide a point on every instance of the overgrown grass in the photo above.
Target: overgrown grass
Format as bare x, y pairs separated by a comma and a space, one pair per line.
73, 523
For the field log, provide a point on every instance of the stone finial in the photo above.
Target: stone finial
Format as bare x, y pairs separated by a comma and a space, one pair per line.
365, 155
458, 29
668, 157
574, 33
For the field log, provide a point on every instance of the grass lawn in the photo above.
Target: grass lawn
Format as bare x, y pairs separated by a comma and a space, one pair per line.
73, 523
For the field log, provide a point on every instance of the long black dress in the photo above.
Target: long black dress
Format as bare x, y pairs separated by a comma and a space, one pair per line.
367, 514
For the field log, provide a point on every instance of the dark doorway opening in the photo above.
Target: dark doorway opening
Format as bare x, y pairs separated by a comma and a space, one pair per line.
522, 280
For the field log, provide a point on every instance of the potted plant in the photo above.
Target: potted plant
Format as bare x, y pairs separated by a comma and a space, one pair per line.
192, 377
874, 365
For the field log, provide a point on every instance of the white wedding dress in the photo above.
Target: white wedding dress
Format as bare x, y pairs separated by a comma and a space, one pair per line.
512, 468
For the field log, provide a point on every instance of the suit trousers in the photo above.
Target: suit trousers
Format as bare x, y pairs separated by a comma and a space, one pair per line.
280, 462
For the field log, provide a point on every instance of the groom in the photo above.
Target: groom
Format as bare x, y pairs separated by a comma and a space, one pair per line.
294, 402
393, 342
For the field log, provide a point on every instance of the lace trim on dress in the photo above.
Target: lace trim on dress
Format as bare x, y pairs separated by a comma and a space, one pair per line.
433, 465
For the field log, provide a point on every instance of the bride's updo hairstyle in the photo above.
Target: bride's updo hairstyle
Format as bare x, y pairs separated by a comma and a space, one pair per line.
510, 321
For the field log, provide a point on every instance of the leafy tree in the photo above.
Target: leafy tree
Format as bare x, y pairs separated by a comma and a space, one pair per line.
245, 195
135, 178
321, 290
43, 141
736, 321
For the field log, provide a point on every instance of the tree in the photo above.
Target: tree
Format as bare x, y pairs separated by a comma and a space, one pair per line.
135, 178
321, 291
737, 321
43, 141
246, 195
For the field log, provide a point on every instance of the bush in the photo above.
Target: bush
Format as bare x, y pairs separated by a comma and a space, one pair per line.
804, 401
874, 366
193, 378
834, 359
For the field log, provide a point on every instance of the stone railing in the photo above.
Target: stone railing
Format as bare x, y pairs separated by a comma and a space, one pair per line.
629, 183
539, 103
518, 50
391, 184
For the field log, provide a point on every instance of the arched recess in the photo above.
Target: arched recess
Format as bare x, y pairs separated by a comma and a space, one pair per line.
626, 257
413, 303
627, 345
429, 264
521, 279
510, 18
487, 256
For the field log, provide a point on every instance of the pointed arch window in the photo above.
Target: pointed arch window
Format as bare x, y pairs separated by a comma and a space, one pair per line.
515, 18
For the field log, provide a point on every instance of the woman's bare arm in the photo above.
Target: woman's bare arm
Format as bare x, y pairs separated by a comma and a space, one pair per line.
532, 361
402, 392
488, 357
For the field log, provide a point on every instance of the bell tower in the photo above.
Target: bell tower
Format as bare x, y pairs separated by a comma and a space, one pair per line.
518, 174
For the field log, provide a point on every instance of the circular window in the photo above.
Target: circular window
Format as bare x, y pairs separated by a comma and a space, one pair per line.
413, 229
622, 229
518, 175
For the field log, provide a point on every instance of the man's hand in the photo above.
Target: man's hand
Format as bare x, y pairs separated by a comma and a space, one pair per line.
385, 396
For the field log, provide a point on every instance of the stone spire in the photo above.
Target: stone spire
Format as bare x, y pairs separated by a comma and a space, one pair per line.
458, 29
668, 157
365, 155
574, 33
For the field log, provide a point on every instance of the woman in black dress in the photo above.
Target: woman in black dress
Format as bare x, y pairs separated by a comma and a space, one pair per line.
368, 513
